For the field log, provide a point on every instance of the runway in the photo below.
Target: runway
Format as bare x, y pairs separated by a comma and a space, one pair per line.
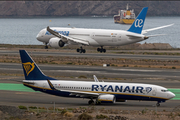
168, 78
44, 100
97, 55
143, 75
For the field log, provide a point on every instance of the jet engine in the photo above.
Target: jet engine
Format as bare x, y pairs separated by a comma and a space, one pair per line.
107, 99
56, 42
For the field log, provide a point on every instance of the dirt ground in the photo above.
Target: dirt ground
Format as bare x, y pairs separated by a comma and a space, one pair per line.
90, 113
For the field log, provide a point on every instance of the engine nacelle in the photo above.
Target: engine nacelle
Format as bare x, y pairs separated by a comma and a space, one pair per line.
107, 99
56, 42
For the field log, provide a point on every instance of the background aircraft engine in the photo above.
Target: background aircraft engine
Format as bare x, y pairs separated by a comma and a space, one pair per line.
107, 98
56, 42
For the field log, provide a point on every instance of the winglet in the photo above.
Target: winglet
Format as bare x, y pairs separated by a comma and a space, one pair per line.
51, 85
95, 78
138, 23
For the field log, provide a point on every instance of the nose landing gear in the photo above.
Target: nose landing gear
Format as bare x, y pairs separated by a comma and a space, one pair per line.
101, 49
91, 102
81, 50
157, 104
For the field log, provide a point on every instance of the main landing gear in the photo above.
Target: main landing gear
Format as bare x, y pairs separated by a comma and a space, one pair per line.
46, 47
91, 102
81, 50
101, 49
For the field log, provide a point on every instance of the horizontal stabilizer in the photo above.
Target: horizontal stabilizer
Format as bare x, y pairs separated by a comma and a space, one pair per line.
152, 29
133, 36
156, 35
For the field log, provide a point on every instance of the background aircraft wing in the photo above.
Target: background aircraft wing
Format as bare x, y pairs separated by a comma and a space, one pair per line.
79, 41
152, 29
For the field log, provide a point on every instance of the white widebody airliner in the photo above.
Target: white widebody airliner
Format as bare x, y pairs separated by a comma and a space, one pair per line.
58, 37
102, 92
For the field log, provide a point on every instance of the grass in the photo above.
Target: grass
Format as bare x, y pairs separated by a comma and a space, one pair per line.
84, 77
101, 116
22, 107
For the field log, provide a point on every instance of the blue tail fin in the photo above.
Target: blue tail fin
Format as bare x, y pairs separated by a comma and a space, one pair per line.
31, 70
138, 23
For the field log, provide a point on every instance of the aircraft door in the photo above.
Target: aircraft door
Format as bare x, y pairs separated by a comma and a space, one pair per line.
119, 37
93, 35
154, 91
114, 37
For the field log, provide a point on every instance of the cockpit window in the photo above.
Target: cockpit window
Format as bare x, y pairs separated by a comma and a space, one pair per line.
164, 90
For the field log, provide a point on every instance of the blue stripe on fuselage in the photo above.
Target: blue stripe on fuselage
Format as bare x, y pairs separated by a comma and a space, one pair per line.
66, 33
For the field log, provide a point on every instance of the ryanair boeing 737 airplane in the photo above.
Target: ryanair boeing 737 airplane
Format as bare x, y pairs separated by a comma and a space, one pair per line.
58, 37
102, 92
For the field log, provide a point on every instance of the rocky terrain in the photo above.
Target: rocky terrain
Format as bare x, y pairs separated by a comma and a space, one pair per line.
85, 8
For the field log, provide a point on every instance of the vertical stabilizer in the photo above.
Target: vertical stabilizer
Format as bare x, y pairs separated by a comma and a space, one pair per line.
138, 23
31, 70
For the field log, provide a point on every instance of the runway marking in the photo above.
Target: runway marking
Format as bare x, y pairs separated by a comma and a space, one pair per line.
15, 87
176, 92
22, 88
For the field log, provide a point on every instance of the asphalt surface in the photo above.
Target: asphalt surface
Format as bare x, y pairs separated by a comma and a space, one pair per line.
141, 75
97, 55
167, 78
13, 98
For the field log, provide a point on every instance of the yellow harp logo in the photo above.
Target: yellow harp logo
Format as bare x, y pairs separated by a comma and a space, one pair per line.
28, 67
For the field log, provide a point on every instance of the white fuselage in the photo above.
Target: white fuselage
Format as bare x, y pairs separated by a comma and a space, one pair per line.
127, 91
95, 37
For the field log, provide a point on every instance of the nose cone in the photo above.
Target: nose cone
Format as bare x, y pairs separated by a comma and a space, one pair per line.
171, 95
38, 37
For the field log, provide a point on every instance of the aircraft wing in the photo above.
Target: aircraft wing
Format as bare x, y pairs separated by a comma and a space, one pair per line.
76, 93
79, 41
152, 29
82, 93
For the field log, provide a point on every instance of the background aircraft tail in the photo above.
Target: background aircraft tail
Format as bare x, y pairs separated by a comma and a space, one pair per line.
31, 70
138, 23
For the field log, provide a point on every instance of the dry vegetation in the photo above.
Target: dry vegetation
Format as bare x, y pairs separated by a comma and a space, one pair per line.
83, 113
115, 62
